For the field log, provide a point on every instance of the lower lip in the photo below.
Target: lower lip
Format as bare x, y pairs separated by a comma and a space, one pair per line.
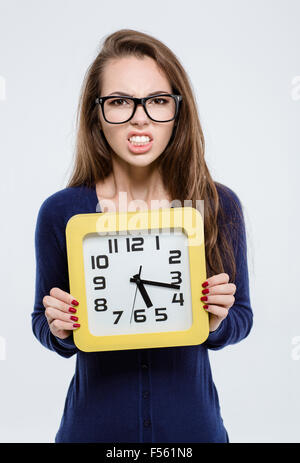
139, 149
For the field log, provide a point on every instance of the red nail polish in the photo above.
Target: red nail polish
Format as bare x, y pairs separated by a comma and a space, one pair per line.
71, 309
204, 298
205, 284
76, 325
74, 302
75, 319
205, 291
205, 306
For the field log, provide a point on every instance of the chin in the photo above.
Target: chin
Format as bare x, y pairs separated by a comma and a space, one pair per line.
150, 156
146, 158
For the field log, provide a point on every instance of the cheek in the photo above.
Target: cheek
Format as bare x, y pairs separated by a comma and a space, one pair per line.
110, 132
114, 136
164, 137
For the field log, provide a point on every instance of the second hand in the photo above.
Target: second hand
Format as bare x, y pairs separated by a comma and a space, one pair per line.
135, 296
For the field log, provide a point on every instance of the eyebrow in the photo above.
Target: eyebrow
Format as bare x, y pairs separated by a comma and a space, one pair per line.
117, 92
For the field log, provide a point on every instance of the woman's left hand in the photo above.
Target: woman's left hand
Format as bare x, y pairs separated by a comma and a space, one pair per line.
218, 298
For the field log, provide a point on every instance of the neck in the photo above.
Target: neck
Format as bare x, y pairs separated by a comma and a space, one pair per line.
138, 182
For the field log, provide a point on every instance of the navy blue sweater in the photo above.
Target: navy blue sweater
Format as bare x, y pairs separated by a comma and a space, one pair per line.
143, 395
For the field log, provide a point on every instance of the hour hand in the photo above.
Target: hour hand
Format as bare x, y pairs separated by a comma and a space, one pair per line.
142, 290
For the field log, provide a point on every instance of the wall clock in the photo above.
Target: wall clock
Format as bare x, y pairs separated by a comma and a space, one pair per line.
137, 276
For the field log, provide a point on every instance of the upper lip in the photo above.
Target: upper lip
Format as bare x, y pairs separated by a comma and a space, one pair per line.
140, 134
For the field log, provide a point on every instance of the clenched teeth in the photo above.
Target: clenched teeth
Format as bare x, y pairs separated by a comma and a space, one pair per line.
138, 139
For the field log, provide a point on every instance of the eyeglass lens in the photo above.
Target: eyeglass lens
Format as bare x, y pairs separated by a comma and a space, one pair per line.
119, 109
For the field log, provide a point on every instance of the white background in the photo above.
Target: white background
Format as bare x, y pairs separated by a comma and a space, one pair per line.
242, 58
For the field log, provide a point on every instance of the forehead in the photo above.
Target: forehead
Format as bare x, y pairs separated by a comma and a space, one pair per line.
133, 75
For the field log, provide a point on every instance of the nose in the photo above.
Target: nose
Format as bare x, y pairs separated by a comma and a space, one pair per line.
140, 116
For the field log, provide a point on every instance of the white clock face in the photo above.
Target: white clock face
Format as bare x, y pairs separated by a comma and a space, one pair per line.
128, 278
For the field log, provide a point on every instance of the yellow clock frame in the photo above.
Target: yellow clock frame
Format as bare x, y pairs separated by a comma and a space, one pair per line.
187, 219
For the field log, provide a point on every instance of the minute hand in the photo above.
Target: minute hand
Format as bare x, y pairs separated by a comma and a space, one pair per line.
158, 283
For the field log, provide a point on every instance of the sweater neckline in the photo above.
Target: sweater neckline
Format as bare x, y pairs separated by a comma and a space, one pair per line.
98, 208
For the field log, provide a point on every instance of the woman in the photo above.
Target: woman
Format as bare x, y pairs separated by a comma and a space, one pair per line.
142, 395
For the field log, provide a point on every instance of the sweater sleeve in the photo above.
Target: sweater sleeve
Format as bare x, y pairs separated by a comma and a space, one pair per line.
238, 323
51, 271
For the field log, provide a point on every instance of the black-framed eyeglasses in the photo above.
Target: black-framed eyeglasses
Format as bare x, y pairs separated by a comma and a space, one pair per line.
162, 107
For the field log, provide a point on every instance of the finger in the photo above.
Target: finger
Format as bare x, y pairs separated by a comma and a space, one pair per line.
49, 319
226, 288
218, 279
55, 314
222, 300
59, 325
220, 312
51, 301
63, 296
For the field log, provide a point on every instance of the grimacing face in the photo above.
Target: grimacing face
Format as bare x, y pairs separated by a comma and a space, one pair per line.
136, 77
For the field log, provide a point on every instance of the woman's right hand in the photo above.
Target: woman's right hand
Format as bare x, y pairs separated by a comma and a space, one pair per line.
60, 313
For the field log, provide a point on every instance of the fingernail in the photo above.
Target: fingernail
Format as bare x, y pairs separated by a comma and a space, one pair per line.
205, 306
71, 309
205, 291
76, 325
205, 284
75, 319
204, 298
74, 302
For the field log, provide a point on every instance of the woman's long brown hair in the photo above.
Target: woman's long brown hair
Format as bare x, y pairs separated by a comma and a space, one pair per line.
182, 164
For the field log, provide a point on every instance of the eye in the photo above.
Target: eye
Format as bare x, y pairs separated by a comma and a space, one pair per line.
159, 101
117, 102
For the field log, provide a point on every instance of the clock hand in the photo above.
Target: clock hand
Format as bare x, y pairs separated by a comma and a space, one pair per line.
143, 292
156, 283
141, 288
138, 275
133, 303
